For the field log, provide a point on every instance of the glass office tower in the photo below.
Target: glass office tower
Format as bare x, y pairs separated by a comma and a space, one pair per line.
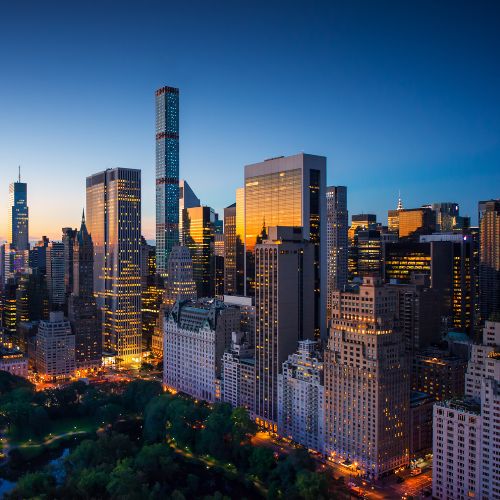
288, 191
167, 174
18, 215
114, 221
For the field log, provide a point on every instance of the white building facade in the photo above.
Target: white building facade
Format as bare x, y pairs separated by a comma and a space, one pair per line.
301, 397
196, 333
466, 439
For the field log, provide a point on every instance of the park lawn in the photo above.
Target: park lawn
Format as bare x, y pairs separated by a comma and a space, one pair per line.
59, 428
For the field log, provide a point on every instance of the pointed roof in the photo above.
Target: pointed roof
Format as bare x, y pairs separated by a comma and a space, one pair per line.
400, 202
83, 234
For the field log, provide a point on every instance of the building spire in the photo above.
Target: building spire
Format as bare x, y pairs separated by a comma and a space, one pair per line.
19, 170
400, 201
83, 216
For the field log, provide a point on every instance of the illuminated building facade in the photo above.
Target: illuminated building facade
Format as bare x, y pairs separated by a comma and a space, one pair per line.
489, 258
187, 199
234, 251
18, 215
152, 291
337, 222
301, 397
114, 221
393, 217
196, 335
284, 302
55, 348
13, 361
465, 445
238, 373
83, 314
199, 238
55, 266
68, 240
289, 191
167, 174
367, 390
438, 373
416, 221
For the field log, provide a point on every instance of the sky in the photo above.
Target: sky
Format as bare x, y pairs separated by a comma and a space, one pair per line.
397, 95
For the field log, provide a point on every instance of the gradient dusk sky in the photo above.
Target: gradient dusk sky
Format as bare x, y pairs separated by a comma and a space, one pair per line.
398, 95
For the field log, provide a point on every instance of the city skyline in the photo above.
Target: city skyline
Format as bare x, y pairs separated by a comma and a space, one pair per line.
387, 116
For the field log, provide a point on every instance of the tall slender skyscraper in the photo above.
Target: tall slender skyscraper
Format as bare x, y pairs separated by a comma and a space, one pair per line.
337, 221
18, 215
55, 274
167, 174
489, 258
114, 221
289, 191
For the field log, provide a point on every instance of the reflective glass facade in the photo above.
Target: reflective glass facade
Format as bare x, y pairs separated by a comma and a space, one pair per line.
18, 216
167, 174
288, 191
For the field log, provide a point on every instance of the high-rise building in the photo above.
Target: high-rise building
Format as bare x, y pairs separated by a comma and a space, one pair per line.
465, 443
55, 348
199, 238
167, 174
438, 373
448, 260
68, 239
301, 402
416, 221
114, 221
367, 391
447, 216
489, 258
234, 252
187, 199
152, 290
18, 215
284, 302
196, 335
337, 222
289, 191
55, 267
393, 217
83, 313
238, 373
419, 312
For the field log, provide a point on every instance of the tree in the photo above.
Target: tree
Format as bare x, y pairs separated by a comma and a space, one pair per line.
91, 483
9, 382
33, 485
157, 463
139, 393
311, 485
243, 425
262, 462
124, 483
109, 413
155, 418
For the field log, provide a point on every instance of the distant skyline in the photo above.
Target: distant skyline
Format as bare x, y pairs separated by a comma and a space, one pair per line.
397, 95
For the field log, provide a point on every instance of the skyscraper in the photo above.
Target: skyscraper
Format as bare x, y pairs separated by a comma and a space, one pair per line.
489, 258
199, 238
18, 215
82, 309
55, 265
289, 191
413, 222
114, 221
187, 199
68, 239
167, 174
284, 302
337, 221
367, 391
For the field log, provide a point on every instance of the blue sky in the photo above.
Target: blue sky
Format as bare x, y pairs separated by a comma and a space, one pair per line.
397, 95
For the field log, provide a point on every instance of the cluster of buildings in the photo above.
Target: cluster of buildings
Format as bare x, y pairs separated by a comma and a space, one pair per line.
359, 340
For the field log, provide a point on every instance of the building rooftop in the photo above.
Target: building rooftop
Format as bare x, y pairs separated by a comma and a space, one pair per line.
462, 404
